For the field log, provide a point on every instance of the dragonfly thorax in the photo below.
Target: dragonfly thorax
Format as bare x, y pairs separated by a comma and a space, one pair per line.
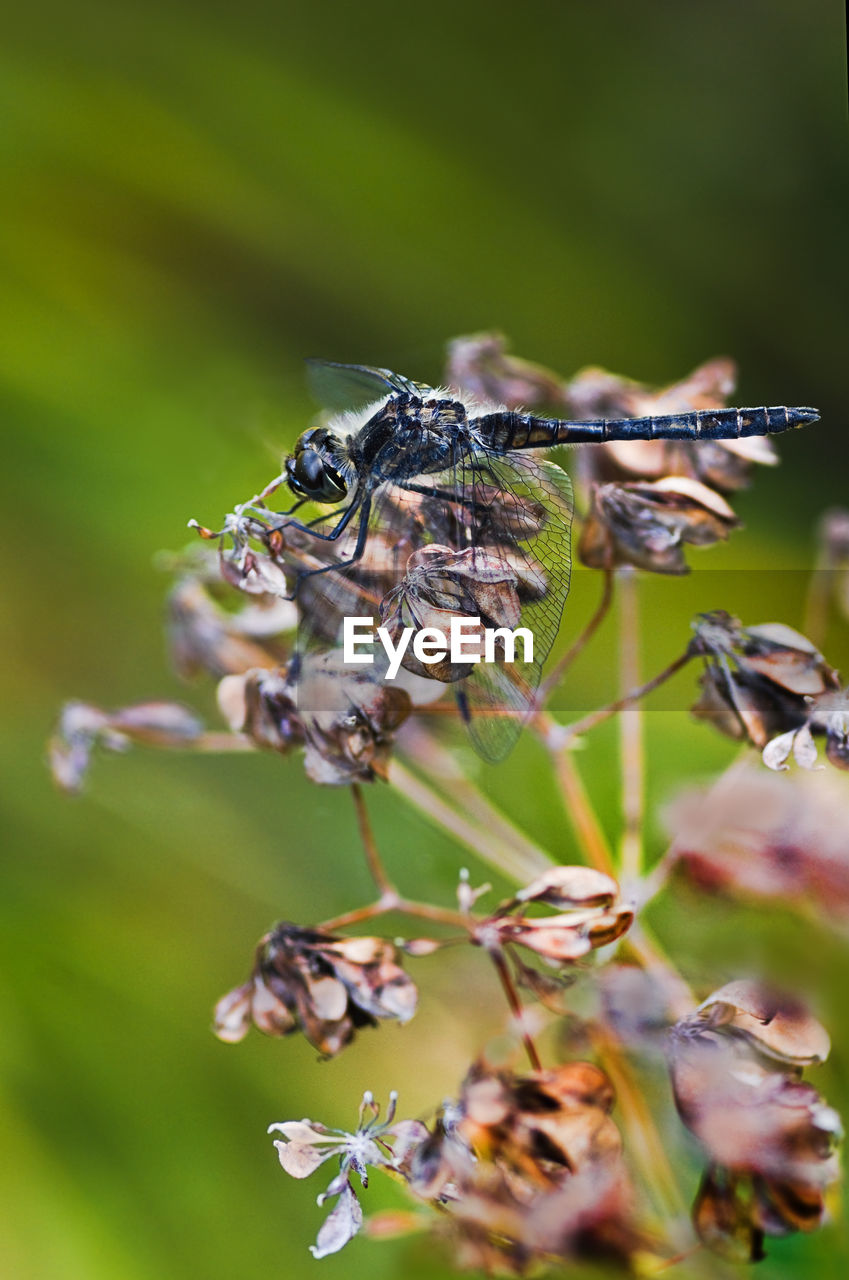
315, 470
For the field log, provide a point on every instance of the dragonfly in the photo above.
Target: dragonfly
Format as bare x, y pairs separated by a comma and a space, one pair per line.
406, 466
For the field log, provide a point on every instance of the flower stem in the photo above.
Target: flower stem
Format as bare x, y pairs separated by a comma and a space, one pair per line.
646, 1143
404, 906
376, 868
580, 812
561, 734
564, 663
515, 1004
631, 746
517, 858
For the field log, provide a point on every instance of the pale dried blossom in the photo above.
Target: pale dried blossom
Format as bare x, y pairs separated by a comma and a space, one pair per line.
323, 985
306, 1145
828, 718
207, 638
649, 524
735, 1065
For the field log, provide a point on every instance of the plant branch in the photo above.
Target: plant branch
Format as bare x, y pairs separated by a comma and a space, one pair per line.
631, 745
517, 858
561, 735
564, 663
375, 865
515, 1004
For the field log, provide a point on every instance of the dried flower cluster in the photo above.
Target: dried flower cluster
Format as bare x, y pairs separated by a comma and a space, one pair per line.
533, 1168
736, 1065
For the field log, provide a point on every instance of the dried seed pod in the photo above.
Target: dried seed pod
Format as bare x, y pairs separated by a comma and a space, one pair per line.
442, 585
588, 915
647, 525
770, 1137
324, 985
753, 834
481, 365
757, 680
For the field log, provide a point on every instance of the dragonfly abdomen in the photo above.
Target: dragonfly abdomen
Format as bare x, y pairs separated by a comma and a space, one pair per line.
523, 431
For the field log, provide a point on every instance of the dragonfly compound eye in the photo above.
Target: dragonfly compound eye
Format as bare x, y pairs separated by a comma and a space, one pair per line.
310, 476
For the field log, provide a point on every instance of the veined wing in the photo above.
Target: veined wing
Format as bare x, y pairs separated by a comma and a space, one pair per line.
352, 386
522, 515
489, 538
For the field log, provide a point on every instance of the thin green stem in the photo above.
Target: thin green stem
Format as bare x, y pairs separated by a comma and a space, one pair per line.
578, 645
517, 858
631, 745
515, 1004
561, 735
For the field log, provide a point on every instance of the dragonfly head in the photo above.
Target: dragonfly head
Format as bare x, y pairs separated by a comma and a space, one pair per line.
316, 468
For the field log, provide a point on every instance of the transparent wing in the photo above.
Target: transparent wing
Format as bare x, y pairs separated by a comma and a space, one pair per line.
523, 515
352, 386
503, 525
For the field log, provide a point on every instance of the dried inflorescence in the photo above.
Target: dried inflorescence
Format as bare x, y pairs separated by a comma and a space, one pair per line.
756, 835
758, 680
82, 728
521, 1171
587, 914
648, 524
323, 985
770, 1138
344, 719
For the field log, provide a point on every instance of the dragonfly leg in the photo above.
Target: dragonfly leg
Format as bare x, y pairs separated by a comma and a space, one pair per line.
443, 495
359, 549
335, 532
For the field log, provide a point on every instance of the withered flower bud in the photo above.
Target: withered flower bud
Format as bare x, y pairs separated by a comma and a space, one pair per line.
206, 638
757, 835
757, 680
82, 728
441, 585
528, 1168
321, 984
481, 365
647, 525
735, 1064
723, 465
588, 915
345, 720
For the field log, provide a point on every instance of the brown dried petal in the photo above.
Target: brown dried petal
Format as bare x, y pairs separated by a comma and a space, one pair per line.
646, 525
780, 1027
481, 366
565, 887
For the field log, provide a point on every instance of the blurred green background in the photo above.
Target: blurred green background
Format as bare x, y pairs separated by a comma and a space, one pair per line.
197, 196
